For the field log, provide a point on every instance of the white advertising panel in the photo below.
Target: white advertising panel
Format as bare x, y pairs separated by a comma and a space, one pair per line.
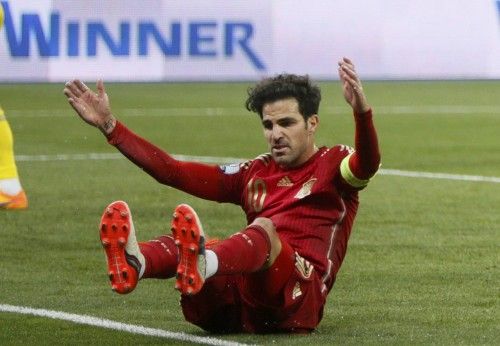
173, 40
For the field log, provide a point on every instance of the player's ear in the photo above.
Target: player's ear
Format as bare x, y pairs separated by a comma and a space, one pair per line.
312, 123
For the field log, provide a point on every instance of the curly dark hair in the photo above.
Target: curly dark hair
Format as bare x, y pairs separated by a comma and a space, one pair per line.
284, 86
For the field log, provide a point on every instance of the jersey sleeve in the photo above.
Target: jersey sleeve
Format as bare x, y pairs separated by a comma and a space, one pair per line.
345, 178
198, 179
349, 177
363, 162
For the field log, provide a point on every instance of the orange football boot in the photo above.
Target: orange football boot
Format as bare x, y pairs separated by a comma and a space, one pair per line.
124, 258
19, 201
190, 239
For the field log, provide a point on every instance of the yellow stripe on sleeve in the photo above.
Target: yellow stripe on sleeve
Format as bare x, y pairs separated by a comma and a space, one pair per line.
348, 176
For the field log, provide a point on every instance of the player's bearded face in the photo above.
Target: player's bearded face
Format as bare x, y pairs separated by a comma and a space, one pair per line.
290, 138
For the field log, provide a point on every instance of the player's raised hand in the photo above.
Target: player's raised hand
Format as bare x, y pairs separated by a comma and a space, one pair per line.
352, 87
92, 107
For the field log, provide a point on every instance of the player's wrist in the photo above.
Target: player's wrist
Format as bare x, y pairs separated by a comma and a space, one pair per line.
108, 125
363, 112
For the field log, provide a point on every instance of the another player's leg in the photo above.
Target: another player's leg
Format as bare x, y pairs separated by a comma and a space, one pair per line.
125, 261
12, 195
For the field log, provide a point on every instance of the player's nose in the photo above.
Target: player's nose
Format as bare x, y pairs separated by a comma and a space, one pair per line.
277, 133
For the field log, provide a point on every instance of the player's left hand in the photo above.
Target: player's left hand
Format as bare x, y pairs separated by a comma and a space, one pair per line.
352, 87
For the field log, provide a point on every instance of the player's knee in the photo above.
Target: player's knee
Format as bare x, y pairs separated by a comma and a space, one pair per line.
267, 225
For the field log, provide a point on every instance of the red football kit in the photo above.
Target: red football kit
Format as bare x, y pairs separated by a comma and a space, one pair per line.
312, 206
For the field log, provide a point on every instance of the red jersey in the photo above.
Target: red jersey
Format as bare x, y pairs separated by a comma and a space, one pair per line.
312, 206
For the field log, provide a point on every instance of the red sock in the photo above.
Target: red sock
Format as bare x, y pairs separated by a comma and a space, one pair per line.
244, 252
161, 257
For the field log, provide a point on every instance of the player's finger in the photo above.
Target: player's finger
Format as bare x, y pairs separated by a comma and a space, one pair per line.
76, 105
348, 76
81, 86
342, 64
67, 92
72, 88
348, 69
72, 102
351, 73
341, 73
100, 88
356, 87
348, 61
354, 84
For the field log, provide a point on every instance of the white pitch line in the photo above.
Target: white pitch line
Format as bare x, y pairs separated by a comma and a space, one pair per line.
240, 111
70, 157
109, 324
445, 176
229, 160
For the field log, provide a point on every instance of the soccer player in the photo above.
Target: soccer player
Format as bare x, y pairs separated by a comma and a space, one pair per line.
12, 195
300, 202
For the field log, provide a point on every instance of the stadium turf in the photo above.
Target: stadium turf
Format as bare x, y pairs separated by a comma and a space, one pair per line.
422, 265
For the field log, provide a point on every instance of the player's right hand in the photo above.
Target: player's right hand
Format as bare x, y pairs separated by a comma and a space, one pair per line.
93, 108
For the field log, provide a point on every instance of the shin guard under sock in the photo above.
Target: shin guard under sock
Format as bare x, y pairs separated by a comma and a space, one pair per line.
244, 252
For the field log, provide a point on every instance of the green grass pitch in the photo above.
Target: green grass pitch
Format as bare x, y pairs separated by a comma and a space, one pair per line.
423, 262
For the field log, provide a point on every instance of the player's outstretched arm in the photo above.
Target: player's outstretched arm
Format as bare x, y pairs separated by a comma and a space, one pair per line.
92, 107
365, 161
352, 87
198, 179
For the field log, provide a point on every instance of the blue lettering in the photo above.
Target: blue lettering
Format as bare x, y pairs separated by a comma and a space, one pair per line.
498, 7
202, 38
73, 39
197, 39
118, 49
147, 29
31, 23
240, 34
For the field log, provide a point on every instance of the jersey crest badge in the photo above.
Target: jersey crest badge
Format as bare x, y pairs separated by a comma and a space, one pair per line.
306, 188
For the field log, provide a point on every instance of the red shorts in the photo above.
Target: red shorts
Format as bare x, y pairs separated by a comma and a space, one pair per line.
284, 298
